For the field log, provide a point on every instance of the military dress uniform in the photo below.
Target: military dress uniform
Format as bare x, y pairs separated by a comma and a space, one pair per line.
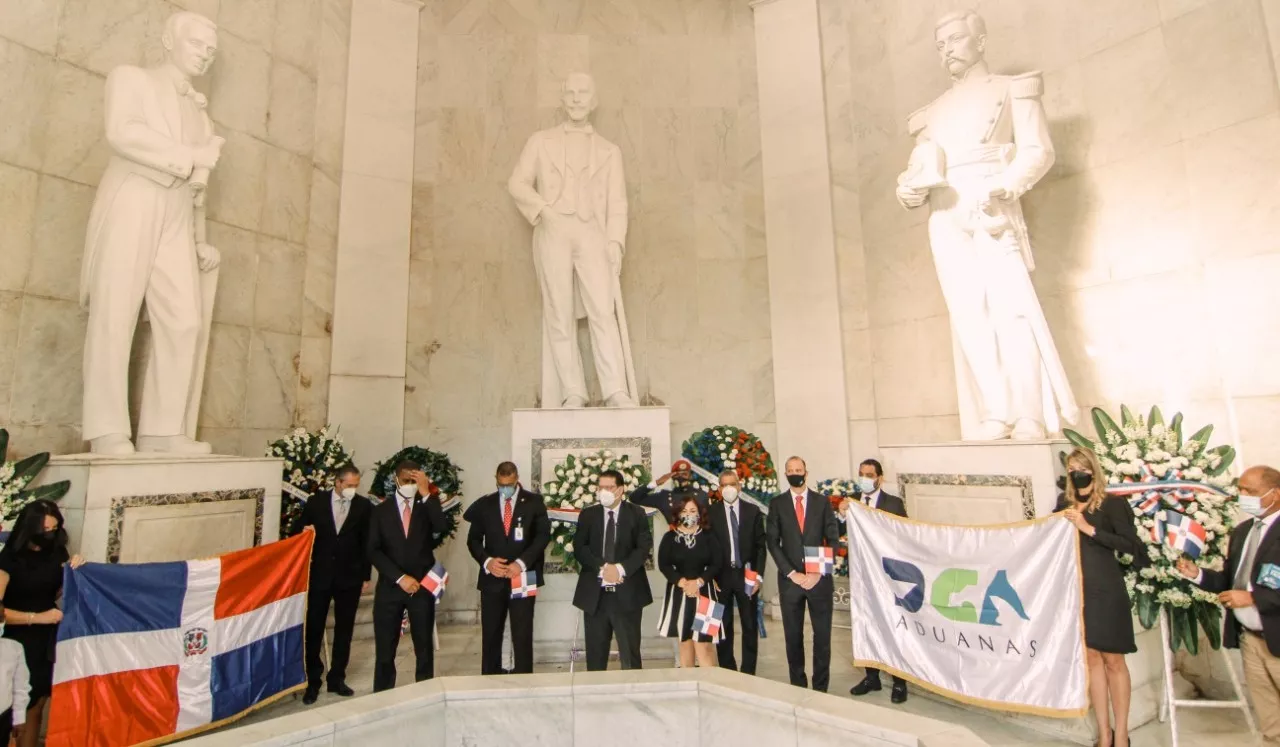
992, 132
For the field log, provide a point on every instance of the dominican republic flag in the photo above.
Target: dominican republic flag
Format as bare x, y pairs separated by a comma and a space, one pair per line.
524, 586
751, 580
154, 652
435, 581
709, 617
820, 560
1147, 503
1185, 534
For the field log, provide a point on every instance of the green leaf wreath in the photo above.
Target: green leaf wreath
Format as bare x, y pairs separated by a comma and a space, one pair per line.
16, 476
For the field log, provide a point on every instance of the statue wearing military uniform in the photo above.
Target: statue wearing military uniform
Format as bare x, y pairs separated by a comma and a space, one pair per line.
981, 146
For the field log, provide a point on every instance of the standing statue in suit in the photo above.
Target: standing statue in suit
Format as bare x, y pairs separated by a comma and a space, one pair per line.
146, 246
870, 479
799, 519
979, 147
508, 536
612, 543
569, 185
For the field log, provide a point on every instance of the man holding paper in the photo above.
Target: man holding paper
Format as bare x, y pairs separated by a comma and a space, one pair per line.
739, 528
803, 534
509, 532
400, 547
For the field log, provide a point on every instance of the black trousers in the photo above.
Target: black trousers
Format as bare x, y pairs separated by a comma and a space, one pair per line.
608, 621
820, 602
389, 605
345, 602
6, 726
495, 607
750, 631
873, 674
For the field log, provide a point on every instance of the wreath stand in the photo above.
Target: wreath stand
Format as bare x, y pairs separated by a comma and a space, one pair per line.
1169, 704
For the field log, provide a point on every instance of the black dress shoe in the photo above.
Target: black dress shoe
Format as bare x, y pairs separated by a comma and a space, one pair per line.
899, 694
867, 685
310, 696
340, 688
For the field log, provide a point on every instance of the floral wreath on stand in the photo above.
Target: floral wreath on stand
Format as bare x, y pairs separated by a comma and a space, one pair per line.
713, 450
837, 490
577, 479
310, 460
16, 476
1183, 499
445, 483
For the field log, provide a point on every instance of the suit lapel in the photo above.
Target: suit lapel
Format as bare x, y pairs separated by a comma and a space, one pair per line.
328, 514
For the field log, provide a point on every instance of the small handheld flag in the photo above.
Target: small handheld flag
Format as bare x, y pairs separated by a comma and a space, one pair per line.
1185, 534
524, 586
751, 580
435, 581
819, 560
709, 617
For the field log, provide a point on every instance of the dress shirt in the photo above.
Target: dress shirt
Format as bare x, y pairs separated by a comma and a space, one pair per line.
502, 509
872, 499
341, 508
401, 504
15, 680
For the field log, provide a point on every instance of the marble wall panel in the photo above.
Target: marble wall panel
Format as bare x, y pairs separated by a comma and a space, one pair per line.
18, 195
26, 80
252, 20
47, 379
286, 191
98, 36
1230, 173
222, 404
237, 273
241, 85
281, 272
291, 112
272, 391
62, 217
297, 27
77, 148
10, 321
33, 24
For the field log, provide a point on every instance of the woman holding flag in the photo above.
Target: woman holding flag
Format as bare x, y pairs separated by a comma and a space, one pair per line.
690, 557
1106, 528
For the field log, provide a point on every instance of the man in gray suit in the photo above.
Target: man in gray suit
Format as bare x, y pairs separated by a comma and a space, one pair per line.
569, 185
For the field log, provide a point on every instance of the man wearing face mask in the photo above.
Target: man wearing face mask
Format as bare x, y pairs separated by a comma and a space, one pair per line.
1249, 587
738, 527
401, 548
801, 518
662, 493
870, 478
612, 542
340, 573
509, 532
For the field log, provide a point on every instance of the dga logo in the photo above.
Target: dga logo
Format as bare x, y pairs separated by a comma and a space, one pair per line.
195, 642
948, 583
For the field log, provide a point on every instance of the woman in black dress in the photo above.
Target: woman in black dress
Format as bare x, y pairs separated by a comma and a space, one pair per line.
1106, 528
690, 557
30, 586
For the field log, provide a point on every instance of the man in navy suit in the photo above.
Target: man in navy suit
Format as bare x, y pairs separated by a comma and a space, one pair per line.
801, 518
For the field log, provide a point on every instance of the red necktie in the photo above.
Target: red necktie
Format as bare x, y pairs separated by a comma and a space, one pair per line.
405, 515
506, 516
800, 511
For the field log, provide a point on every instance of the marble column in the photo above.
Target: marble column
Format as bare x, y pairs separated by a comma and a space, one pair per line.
371, 295
804, 306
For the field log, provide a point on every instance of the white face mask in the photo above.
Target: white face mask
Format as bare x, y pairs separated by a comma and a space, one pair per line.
407, 491
867, 485
348, 493
606, 497
729, 493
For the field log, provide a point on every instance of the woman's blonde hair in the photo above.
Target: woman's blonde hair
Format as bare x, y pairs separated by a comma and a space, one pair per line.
1086, 458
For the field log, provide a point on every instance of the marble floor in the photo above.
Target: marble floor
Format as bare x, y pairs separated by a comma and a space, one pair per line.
459, 654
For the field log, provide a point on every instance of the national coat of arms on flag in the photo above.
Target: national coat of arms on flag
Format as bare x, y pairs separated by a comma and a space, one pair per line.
709, 617
436, 579
524, 586
1184, 534
153, 652
820, 560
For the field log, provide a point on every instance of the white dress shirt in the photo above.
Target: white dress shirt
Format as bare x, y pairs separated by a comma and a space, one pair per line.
339, 517
872, 500
731, 512
15, 680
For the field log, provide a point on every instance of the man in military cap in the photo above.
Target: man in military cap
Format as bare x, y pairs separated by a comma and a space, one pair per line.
979, 147
663, 492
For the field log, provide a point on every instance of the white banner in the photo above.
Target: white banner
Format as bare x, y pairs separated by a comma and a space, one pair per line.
991, 616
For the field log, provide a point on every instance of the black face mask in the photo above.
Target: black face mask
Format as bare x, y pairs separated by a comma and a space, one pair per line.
1081, 480
44, 540
795, 480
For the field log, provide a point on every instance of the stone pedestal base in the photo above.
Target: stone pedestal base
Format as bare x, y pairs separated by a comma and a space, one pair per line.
976, 482
541, 439
157, 507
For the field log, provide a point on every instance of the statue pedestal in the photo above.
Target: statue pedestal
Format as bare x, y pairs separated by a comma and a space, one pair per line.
541, 439
158, 507
976, 482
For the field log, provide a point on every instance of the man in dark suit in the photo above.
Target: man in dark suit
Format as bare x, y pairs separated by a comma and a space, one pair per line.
612, 542
400, 547
870, 478
1249, 587
339, 574
801, 518
509, 532
662, 493
738, 526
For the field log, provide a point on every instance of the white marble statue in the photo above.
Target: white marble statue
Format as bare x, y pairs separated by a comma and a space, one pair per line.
569, 185
145, 247
979, 147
